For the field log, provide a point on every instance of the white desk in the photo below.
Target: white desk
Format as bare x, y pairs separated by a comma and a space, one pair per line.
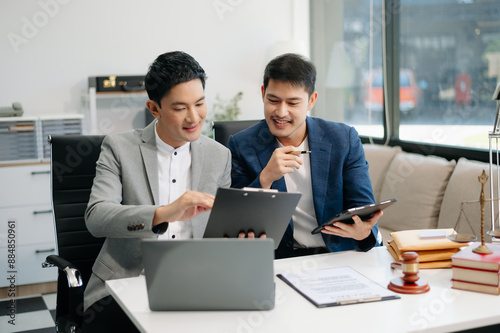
441, 310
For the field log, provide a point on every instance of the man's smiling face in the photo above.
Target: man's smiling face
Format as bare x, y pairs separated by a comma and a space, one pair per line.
285, 111
181, 114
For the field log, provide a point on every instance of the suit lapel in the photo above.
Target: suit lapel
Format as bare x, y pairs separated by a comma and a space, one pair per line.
320, 165
320, 161
267, 144
150, 159
197, 160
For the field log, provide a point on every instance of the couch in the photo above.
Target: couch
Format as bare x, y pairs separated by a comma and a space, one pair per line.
429, 190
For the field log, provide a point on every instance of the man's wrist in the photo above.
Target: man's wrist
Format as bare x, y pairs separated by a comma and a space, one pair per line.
367, 243
264, 183
159, 216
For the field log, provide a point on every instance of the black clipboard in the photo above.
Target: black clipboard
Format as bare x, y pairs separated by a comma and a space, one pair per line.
251, 209
364, 212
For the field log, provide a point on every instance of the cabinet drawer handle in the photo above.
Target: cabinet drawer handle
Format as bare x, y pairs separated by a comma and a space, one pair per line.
42, 211
44, 251
40, 172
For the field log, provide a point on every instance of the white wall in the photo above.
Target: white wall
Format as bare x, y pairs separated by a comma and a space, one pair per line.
48, 48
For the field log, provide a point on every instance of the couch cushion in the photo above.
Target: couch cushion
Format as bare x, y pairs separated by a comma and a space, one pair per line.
464, 186
379, 158
418, 182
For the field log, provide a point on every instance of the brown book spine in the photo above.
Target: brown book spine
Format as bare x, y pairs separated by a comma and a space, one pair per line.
476, 287
475, 275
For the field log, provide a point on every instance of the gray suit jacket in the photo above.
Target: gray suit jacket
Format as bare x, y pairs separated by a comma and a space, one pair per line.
125, 196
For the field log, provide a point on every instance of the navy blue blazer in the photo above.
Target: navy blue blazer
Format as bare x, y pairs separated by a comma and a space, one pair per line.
339, 174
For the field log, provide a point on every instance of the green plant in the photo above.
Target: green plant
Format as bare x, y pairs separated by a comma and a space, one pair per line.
223, 110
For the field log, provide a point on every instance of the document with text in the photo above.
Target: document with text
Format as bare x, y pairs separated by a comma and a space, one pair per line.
336, 286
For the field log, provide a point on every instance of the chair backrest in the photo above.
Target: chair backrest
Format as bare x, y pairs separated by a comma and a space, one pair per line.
224, 129
73, 164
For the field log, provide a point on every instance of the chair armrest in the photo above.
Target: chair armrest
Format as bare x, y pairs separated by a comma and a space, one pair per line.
73, 275
69, 308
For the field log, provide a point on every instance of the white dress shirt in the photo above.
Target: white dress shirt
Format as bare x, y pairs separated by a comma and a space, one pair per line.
174, 177
304, 217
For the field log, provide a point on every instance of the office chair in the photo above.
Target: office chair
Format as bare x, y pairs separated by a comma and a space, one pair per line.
222, 130
73, 162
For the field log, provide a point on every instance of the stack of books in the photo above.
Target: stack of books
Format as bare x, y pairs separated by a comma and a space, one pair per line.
477, 272
433, 248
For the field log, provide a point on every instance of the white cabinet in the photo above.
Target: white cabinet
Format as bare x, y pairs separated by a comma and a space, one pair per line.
26, 217
25, 184
18, 139
24, 139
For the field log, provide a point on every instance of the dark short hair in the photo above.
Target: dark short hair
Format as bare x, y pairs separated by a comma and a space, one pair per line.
170, 69
293, 68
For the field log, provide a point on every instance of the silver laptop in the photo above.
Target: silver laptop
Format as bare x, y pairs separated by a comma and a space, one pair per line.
209, 274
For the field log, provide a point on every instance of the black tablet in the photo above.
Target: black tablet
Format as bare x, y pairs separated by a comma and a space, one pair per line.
251, 209
364, 212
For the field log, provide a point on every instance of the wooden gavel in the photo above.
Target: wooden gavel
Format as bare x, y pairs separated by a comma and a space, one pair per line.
410, 283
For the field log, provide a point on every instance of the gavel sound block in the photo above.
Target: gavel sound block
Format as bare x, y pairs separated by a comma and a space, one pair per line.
410, 283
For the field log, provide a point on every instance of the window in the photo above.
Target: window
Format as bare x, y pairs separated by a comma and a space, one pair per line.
347, 50
453, 49
447, 54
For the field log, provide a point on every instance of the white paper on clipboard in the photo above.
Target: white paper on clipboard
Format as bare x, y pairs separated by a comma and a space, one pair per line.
336, 286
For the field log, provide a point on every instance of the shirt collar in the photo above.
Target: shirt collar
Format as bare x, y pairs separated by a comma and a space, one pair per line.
164, 147
303, 146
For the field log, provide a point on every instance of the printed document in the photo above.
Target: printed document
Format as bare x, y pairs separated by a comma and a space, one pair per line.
336, 286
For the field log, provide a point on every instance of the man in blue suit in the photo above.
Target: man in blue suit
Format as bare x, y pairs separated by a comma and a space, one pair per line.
290, 151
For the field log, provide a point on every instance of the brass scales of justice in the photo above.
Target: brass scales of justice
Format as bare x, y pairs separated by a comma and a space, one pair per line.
410, 283
464, 238
483, 178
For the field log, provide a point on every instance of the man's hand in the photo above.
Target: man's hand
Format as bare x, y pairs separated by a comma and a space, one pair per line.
359, 230
250, 234
281, 162
187, 206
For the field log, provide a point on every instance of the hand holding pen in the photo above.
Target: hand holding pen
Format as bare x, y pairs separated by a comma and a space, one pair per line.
284, 160
299, 152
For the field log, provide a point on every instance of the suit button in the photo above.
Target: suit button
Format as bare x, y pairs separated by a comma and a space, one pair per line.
289, 243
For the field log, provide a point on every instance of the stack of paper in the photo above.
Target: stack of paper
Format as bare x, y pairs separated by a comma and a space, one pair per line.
433, 248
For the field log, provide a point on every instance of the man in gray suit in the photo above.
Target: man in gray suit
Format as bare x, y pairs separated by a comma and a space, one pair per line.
152, 183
